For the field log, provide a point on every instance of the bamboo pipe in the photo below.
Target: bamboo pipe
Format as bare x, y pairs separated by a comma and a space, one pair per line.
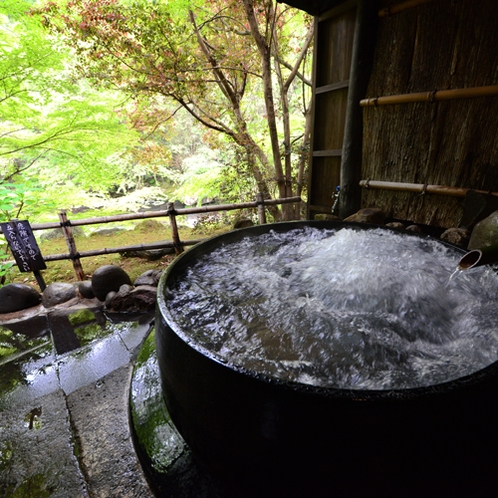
399, 7
459, 93
478, 257
421, 188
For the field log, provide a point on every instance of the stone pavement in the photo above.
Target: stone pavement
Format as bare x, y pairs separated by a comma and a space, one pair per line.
64, 416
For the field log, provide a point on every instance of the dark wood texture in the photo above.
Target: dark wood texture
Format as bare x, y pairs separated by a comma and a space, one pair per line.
440, 45
324, 180
334, 37
361, 66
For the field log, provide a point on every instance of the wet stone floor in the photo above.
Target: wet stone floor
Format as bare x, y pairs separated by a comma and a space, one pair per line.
82, 414
171, 468
64, 398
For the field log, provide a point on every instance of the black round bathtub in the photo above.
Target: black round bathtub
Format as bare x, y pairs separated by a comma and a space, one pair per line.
270, 437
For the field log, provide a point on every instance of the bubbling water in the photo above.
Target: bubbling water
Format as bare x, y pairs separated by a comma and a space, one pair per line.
352, 309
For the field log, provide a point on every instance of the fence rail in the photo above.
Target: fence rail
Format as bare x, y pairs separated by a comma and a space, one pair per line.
176, 243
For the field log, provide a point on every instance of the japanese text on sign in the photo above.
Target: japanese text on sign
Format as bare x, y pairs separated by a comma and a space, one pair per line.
23, 245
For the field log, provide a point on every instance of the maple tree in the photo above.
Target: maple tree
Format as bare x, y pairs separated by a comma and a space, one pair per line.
213, 58
46, 118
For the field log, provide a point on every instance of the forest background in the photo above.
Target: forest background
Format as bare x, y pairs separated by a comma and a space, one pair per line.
107, 106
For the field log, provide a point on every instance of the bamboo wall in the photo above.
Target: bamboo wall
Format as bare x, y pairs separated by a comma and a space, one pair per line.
439, 45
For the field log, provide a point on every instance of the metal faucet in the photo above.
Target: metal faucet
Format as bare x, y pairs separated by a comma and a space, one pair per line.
336, 198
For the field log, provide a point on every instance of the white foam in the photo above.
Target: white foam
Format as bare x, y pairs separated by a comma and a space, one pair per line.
369, 309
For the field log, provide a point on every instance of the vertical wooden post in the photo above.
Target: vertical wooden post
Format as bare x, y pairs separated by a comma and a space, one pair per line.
174, 229
71, 245
361, 64
260, 199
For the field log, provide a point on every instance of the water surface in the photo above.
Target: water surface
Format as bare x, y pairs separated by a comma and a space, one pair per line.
360, 309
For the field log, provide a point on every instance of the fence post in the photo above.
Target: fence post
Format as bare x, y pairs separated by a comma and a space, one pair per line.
71, 245
174, 229
260, 199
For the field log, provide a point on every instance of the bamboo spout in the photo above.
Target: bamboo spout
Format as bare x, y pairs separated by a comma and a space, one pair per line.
478, 257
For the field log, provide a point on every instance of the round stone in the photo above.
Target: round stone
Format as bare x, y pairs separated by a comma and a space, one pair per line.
150, 277
86, 290
16, 297
108, 278
57, 293
457, 236
141, 298
485, 233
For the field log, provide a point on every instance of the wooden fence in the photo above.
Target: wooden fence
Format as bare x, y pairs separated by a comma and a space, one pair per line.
176, 243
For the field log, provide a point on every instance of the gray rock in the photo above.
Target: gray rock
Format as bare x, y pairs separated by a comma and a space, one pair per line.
326, 217
107, 231
108, 278
368, 215
16, 297
109, 298
485, 233
125, 289
414, 229
150, 277
456, 236
147, 226
141, 298
243, 223
149, 254
397, 225
57, 233
86, 290
57, 293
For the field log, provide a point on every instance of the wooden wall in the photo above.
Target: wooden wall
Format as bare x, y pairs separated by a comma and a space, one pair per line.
439, 45
334, 36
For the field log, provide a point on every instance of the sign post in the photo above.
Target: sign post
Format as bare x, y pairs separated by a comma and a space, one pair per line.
23, 245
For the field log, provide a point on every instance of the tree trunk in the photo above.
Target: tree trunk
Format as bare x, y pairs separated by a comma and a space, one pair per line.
265, 53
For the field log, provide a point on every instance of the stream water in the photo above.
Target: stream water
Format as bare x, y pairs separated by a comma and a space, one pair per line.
356, 309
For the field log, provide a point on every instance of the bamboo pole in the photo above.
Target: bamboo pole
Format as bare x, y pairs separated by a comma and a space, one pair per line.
260, 201
394, 8
421, 188
171, 212
113, 250
157, 214
71, 245
459, 93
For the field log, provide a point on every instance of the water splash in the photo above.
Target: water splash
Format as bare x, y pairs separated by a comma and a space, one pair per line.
361, 309
455, 274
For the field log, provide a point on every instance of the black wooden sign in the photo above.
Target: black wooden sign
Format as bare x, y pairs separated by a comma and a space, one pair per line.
23, 245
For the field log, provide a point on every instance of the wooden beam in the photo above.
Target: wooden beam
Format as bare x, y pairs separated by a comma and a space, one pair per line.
327, 153
394, 8
333, 86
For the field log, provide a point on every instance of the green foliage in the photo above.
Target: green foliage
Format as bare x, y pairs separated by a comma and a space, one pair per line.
57, 128
22, 200
5, 266
18, 200
90, 96
202, 178
200, 54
